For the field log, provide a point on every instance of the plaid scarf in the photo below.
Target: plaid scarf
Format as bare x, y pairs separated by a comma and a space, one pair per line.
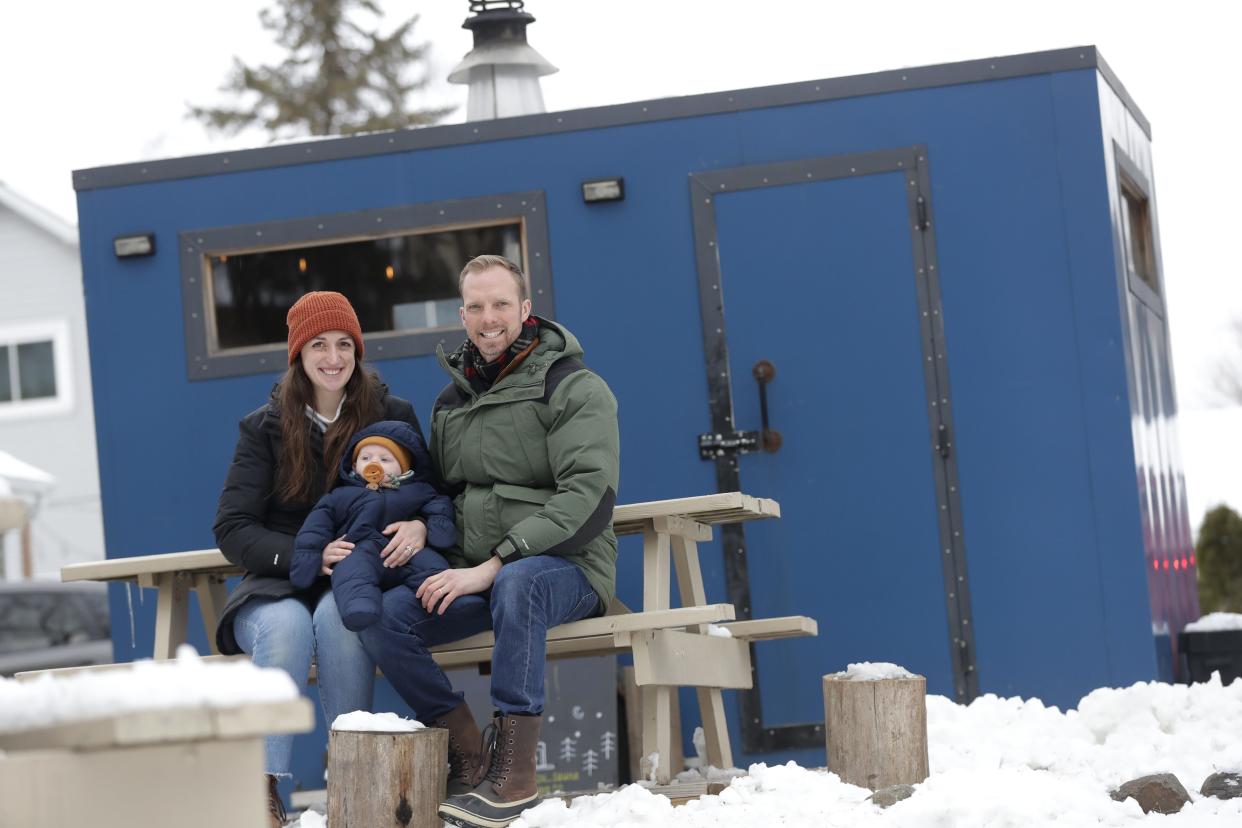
483, 374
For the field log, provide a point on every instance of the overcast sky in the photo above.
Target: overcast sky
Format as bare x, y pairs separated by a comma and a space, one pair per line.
89, 83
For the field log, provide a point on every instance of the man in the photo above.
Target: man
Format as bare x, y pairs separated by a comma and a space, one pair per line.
525, 438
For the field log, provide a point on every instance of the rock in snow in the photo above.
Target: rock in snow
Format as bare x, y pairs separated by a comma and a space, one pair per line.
892, 795
1222, 785
1159, 792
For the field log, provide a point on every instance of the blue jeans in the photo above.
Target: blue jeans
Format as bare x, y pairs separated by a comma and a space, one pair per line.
284, 633
529, 596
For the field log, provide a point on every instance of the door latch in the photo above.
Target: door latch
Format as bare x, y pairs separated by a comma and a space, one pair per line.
729, 443
732, 443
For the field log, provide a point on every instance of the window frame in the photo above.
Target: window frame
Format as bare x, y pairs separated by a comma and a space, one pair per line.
1133, 184
22, 333
527, 209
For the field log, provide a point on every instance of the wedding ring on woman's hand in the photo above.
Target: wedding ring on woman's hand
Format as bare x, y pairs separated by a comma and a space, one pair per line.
409, 548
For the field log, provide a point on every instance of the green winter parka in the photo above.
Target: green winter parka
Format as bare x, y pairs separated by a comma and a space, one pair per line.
535, 458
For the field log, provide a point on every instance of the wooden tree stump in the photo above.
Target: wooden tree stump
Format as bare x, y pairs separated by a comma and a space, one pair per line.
876, 730
378, 779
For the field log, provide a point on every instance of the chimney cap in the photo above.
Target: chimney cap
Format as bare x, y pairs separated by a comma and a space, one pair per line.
490, 12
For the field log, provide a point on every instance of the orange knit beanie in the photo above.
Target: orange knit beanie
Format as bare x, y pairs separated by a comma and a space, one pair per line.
319, 311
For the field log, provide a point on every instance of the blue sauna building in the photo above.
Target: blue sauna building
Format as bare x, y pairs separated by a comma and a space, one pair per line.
922, 309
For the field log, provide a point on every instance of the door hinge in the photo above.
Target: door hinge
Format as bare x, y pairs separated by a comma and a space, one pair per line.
728, 444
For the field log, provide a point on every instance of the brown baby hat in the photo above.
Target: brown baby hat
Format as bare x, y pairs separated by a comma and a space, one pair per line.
398, 451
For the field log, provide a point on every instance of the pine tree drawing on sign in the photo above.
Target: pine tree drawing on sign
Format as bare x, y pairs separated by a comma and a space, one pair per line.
589, 763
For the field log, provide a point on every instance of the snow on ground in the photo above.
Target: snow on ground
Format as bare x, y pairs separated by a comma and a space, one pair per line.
1216, 621
996, 762
185, 681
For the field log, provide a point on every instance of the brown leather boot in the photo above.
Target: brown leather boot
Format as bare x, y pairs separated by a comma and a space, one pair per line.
509, 786
275, 805
465, 750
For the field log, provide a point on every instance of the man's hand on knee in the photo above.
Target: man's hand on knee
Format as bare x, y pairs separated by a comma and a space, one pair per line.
439, 591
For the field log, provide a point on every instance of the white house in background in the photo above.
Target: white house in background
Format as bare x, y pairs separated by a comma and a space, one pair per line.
46, 417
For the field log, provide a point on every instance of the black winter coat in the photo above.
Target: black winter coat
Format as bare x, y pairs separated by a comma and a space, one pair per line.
254, 528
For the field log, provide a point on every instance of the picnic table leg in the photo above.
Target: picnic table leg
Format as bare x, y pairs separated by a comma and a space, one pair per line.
657, 701
172, 610
685, 554
657, 588
211, 598
657, 711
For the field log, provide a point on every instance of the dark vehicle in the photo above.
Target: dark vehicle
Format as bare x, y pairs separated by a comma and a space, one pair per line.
48, 624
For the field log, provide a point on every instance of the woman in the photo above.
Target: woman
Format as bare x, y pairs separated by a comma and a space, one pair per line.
286, 458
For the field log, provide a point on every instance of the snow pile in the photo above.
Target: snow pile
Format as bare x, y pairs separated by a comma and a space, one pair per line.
1216, 621
874, 671
185, 681
718, 631
997, 762
1115, 735
312, 819
360, 720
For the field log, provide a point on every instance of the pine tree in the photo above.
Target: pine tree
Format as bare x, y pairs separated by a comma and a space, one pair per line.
338, 79
1219, 553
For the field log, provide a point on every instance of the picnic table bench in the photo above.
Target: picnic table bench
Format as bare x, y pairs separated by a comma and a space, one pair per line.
672, 646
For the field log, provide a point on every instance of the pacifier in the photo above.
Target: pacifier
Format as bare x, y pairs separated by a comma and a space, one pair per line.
373, 473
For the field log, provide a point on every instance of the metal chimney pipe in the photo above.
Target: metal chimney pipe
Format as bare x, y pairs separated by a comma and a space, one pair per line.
502, 71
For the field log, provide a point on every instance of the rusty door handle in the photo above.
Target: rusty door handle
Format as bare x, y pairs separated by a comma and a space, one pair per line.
764, 372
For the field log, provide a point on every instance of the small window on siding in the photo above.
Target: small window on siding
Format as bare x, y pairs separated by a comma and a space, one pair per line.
6, 376
1141, 249
34, 369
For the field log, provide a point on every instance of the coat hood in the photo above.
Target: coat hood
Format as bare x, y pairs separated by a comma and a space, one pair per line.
401, 433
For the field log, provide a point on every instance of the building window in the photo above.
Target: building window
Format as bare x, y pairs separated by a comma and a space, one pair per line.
402, 281
34, 369
397, 283
1136, 223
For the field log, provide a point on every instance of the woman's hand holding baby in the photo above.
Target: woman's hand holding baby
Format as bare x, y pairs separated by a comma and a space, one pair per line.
408, 537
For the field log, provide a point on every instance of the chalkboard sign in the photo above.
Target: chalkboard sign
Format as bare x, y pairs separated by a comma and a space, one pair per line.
579, 743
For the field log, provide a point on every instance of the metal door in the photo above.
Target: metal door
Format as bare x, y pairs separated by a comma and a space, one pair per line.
824, 271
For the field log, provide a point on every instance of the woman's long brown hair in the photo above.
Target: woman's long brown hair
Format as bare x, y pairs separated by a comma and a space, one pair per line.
363, 406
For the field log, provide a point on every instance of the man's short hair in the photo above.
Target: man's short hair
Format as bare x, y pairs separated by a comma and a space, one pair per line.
486, 262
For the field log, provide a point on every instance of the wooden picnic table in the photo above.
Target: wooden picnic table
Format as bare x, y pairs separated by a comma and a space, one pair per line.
671, 645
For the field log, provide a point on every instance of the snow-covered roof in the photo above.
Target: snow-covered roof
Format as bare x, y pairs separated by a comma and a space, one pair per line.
21, 476
37, 215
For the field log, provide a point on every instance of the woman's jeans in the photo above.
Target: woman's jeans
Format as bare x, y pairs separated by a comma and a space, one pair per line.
284, 633
529, 596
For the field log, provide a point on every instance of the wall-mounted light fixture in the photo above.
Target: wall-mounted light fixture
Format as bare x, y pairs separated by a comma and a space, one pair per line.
603, 189
129, 246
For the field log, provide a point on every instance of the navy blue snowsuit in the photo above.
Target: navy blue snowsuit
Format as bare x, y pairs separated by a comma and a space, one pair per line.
360, 514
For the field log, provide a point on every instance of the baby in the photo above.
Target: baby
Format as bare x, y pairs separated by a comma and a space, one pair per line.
384, 478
